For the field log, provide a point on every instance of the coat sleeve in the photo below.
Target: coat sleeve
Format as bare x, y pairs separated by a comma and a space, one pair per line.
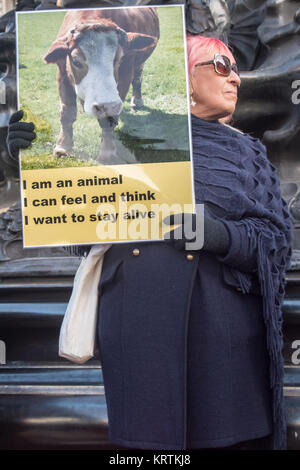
242, 253
242, 249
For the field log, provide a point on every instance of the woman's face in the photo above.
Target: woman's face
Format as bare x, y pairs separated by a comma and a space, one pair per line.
213, 96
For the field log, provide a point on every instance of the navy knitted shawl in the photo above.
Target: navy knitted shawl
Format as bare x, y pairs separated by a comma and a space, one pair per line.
238, 184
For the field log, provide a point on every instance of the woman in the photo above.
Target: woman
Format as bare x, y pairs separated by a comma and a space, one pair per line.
191, 342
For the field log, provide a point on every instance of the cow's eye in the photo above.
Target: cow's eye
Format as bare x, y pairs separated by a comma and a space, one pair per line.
77, 63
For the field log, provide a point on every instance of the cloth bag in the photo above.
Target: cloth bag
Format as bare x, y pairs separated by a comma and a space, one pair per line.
78, 329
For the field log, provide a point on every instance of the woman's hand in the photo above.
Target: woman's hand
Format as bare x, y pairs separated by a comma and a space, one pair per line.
20, 134
214, 234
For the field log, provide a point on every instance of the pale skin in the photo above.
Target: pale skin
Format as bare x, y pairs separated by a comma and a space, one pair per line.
213, 96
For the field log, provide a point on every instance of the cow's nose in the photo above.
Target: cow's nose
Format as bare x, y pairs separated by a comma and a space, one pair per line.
112, 108
98, 108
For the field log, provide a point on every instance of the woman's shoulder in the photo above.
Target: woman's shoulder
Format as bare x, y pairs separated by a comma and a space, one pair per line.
225, 134
234, 128
250, 140
244, 135
254, 152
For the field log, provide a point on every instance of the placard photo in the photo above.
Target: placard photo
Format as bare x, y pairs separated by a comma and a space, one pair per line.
107, 91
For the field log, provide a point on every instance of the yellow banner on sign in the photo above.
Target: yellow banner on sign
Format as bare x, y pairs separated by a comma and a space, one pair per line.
85, 205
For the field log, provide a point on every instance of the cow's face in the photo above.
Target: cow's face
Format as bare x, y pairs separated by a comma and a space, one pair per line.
93, 54
94, 65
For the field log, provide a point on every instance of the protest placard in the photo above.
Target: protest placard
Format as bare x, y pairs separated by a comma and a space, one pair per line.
107, 92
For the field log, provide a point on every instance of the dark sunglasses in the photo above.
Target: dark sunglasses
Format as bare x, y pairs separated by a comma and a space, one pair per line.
222, 65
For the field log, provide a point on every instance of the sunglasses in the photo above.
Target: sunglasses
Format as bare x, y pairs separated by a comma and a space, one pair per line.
222, 65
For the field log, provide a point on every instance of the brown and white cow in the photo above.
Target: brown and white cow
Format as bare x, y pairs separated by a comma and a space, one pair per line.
99, 53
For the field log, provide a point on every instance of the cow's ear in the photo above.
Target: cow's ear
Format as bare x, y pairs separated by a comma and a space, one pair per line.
123, 38
57, 51
137, 41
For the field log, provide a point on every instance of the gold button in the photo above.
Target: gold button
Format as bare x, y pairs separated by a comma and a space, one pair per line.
239, 289
136, 252
190, 257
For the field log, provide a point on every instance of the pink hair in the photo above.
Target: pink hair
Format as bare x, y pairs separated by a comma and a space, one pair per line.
198, 45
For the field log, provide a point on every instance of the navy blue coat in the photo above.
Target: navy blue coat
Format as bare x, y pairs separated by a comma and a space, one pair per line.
182, 348
183, 337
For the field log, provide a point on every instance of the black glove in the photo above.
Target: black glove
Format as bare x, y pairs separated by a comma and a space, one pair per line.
20, 134
216, 236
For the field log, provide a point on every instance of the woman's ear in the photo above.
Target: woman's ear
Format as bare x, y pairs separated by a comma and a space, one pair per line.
191, 82
191, 88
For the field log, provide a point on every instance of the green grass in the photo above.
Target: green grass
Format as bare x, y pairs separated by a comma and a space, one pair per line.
159, 132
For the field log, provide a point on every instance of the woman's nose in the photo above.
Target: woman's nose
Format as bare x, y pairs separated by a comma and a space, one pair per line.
235, 78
